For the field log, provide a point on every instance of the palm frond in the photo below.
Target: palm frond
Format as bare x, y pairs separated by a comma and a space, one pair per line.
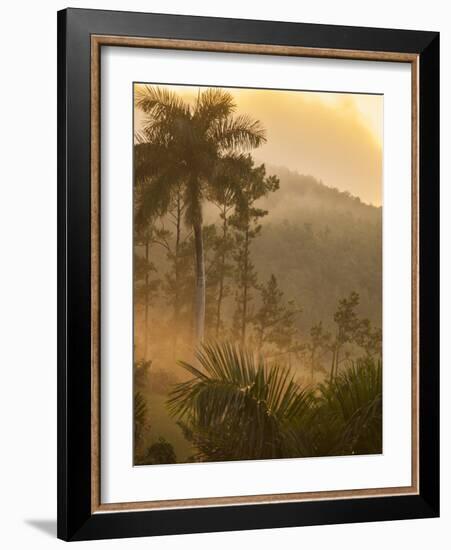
241, 132
238, 407
140, 137
214, 104
351, 409
159, 102
167, 115
155, 196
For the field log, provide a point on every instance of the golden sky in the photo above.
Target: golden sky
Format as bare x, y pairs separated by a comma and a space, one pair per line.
335, 137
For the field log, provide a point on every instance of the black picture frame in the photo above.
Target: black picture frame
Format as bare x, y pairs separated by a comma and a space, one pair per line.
75, 518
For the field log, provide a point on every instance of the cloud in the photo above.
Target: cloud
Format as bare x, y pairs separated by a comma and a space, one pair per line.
326, 139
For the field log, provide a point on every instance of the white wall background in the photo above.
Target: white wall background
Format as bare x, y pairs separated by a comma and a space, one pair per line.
28, 272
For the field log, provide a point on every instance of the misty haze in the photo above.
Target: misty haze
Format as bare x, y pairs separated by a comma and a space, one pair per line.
257, 274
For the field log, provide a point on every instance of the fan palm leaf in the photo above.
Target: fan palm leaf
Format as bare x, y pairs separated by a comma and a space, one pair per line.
350, 410
237, 407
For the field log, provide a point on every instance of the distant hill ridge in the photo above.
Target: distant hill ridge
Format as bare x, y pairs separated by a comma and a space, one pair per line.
302, 193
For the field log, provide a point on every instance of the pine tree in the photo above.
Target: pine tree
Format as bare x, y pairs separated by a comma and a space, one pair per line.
230, 174
145, 285
347, 325
318, 345
274, 322
246, 226
369, 339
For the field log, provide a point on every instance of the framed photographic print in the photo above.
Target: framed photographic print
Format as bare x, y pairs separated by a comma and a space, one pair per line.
248, 274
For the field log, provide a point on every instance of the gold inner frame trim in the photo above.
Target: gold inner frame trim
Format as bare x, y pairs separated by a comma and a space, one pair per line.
97, 41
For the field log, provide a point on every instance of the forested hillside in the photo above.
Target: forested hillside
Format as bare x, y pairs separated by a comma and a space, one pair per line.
319, 242
325, 243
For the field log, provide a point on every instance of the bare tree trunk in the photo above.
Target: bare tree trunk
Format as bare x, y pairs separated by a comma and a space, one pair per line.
335, 359
218, 306
221, 274
312, 374
261, 338
333, 364
177, 274
200, 284
245, 289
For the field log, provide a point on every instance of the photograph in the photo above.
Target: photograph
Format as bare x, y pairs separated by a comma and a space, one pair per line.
248, 250
257, 273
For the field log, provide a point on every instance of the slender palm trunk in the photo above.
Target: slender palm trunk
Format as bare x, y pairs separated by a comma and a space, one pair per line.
146, 299
200, 284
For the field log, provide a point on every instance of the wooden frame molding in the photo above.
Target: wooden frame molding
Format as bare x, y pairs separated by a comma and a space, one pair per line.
97, 41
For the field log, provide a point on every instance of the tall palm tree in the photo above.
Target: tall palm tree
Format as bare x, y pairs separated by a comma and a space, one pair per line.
181, 143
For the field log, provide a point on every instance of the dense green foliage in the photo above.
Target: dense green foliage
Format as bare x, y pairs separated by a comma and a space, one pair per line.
350, 411
161, 452
237, 406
